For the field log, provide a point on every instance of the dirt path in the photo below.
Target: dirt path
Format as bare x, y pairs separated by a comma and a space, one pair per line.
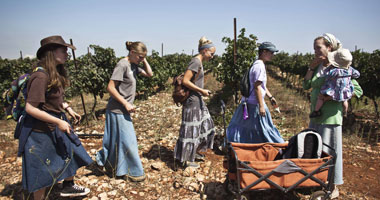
157, 122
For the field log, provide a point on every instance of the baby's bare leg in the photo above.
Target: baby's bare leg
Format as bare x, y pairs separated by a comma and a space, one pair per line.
321, 100
345, 108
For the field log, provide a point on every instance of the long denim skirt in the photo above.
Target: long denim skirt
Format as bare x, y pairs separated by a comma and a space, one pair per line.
43, 165
120, 150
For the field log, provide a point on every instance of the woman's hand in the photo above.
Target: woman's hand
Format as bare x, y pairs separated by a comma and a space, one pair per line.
317, 61
129, 107
205, 93
74, 115
64, 126
273, 101
147, 72
262, 110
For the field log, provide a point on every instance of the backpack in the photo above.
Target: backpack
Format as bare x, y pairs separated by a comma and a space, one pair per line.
245, 86
306, 144
15, 96
180, 92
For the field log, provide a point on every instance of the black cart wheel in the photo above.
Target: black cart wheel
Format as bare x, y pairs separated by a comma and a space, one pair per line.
318, 195
229, 186
243, 197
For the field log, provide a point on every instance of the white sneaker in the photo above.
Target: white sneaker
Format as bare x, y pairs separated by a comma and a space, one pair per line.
335, 193
192, 164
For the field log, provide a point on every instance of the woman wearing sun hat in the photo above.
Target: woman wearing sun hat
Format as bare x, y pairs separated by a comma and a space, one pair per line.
329, 123
257, 126
50, 150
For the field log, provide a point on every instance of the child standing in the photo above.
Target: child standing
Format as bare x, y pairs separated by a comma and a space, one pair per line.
258, 127
197, 128
120, 148
50, 150
338, 86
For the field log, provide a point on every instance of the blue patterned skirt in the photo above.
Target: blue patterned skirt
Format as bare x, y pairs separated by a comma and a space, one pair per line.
196, 132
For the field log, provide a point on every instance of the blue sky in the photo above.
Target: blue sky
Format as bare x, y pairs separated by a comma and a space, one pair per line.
291, 25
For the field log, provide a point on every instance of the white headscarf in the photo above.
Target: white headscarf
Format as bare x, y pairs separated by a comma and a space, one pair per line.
336, 44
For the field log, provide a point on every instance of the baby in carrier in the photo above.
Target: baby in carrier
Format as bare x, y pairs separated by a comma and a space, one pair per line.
337, 86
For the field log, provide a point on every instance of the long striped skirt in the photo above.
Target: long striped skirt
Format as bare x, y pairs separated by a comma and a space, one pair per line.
196, 132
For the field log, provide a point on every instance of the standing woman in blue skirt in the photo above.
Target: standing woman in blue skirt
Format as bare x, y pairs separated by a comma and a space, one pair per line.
120, 149
50, 150
258, 127
197, 128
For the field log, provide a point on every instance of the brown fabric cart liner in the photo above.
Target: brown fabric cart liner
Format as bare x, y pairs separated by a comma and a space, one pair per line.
262, 156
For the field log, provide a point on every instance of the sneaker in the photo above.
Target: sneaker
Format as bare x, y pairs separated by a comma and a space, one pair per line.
335, 193
74, 191
315, 114
199, 156
192, 164
136, 178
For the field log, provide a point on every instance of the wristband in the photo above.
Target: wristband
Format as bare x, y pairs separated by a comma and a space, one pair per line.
270, 98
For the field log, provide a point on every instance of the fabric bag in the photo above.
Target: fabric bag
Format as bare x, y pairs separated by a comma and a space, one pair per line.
15, 96
15, 100
180, 92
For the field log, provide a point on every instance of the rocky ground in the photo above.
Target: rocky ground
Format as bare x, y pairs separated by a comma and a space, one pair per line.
157, 122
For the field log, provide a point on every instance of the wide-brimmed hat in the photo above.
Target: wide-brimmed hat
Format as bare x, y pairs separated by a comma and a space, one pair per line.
268, 46
341, 58
51, 41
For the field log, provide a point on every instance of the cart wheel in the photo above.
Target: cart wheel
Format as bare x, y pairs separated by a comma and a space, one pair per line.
243, 197
318, 195
229, 186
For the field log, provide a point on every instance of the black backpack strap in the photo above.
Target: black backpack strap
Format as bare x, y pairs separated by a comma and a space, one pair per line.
249, 77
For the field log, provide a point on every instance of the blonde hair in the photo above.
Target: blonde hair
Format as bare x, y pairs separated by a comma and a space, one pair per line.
325, 41
203, 41
56, 72
138, 47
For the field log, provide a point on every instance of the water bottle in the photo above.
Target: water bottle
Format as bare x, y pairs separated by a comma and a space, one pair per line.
275, 106
245, 111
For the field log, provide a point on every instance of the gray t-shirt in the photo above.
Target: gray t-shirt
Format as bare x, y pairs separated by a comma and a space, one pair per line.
194, 66
125, 74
